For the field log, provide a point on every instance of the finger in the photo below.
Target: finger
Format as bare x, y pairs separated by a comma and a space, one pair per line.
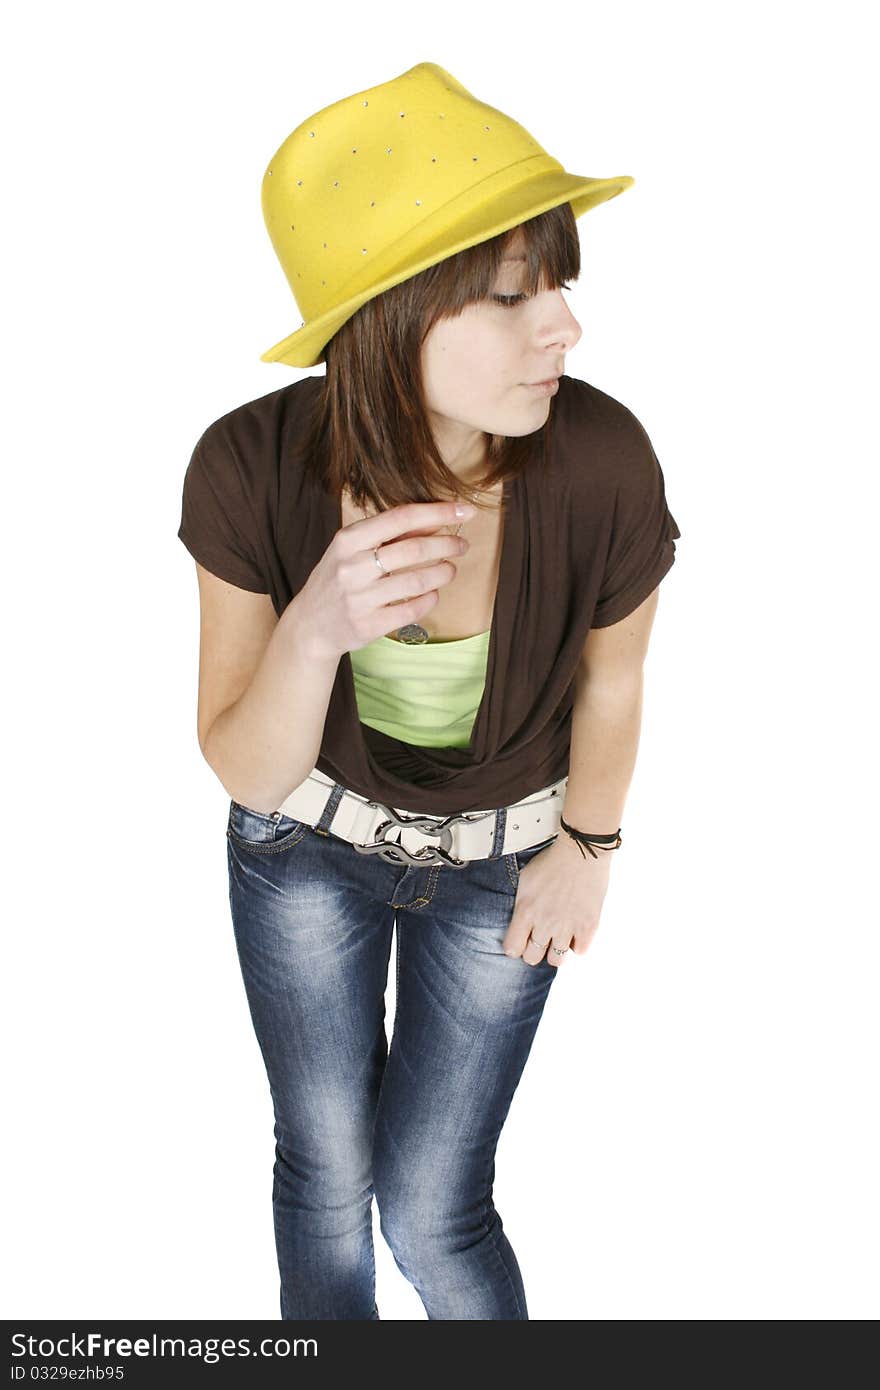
375, 530
423, 531
535, 949
557, 948
517, 933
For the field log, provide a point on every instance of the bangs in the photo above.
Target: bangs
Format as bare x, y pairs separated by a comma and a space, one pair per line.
553, 257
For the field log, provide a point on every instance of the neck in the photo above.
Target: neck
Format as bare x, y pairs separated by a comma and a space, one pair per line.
462, 449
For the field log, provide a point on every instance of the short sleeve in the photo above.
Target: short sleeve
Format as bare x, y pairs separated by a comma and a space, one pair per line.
644, 531
217, 517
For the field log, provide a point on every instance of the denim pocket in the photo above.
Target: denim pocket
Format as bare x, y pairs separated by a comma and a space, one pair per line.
261, 833
520, 857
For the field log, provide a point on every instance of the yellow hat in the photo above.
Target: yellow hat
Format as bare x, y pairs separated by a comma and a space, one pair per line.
380, 185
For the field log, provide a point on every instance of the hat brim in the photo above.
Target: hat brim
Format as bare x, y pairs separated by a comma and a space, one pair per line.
487, 218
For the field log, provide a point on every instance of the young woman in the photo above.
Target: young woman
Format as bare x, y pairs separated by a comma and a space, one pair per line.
408, 702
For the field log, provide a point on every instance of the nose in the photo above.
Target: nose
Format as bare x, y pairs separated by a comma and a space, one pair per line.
558, 325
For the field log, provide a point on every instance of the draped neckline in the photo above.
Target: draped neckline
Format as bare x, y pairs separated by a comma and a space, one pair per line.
498, 655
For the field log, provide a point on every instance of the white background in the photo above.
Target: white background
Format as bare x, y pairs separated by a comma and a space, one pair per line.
694, 1135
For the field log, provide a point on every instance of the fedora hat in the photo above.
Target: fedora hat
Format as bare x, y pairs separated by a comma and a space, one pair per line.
375, 188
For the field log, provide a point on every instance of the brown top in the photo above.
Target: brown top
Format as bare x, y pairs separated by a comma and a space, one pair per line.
587, 536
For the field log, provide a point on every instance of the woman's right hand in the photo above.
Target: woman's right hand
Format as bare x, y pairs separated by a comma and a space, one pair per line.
347, 602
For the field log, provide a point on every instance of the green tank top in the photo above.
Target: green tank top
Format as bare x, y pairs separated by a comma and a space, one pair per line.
426, 694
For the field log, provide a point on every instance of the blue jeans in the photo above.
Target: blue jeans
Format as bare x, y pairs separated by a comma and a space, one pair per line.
416, 1124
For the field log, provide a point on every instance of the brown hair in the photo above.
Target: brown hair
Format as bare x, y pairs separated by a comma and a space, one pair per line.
370, 431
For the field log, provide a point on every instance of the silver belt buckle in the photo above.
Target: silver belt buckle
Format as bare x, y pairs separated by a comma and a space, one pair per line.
396, 853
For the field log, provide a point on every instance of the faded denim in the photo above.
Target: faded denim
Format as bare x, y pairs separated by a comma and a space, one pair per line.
416, 1124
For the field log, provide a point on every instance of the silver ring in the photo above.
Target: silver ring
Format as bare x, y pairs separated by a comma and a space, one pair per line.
557, 951
378, 561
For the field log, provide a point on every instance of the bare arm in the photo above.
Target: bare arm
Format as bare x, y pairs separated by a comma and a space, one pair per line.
606, 721
267, 740
265, 683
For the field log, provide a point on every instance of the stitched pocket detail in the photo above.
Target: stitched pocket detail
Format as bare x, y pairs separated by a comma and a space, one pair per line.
518, 858
260, 833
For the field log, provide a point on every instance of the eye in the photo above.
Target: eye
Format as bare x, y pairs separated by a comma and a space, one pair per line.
510, 300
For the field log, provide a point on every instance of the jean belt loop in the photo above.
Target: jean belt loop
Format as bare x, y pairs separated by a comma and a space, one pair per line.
322, 827
500, 828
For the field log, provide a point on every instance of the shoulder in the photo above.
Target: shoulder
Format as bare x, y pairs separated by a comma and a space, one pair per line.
600, 440
253, 437
585, 414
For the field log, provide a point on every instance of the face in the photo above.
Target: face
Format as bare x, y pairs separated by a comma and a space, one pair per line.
477, 368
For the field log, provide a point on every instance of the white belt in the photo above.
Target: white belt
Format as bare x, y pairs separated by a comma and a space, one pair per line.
411, 837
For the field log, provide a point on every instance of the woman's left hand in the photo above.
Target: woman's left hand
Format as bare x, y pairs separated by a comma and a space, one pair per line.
558, 902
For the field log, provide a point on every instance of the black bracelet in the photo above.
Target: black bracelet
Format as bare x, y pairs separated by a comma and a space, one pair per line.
581, 838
